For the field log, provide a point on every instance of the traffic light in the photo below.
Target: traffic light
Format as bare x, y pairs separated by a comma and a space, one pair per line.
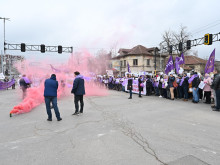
170, 49
23, 48
208, 39
60, 49
42, 48
180, 46
188, 44
155, 72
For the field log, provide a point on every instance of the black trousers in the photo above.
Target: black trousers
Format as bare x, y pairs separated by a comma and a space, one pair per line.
78, 98
207, 95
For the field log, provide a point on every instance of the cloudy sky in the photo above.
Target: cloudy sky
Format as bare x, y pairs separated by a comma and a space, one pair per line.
97, 24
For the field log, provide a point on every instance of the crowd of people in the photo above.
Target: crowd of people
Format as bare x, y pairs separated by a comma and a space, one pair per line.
186, 86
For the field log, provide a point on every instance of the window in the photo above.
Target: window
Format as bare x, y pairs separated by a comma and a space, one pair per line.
124, 63
135, 61
121, 63
148, 62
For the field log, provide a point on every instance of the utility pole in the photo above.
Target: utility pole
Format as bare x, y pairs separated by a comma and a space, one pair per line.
4, 43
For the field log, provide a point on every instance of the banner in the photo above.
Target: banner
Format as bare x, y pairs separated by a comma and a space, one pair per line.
109, 72
210, 63
5, 85
2, 77
135, 87
169, 65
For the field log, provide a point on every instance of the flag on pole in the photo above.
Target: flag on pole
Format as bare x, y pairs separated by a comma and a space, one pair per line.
129, 70
179, 60
210, 63
169, 65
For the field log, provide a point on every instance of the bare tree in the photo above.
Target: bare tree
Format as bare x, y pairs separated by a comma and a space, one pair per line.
174, 38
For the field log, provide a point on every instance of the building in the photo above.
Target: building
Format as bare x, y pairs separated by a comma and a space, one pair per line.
139, 59
7, 63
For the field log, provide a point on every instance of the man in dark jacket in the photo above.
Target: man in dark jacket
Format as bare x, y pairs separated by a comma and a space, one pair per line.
195, 88
50, 95
130, 85
216, 87
78, 90
185, 85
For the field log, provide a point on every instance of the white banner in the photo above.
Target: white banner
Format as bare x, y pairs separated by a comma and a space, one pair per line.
135, 87
2, 77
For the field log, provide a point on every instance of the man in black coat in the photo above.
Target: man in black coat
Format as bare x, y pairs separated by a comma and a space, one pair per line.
130, 85
78, 90
216, 87
50, 95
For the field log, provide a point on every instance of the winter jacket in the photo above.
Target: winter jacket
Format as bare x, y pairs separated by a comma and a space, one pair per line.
50, 87
195, 82
185, 82
130, 82
78, 86
139, 84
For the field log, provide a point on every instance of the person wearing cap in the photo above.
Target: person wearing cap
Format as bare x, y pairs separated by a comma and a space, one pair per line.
50, 95
78, 90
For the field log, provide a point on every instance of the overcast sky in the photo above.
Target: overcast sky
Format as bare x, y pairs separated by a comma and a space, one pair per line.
96, 24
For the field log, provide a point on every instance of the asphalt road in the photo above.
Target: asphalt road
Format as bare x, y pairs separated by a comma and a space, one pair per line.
113, 131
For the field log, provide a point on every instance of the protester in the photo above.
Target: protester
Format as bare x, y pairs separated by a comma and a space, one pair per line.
179, 88
216, 87
185, 85
148, 85
24, 83
170, 83
130, 85
78, 90
13, 79
207, 88
195, 83
140, 85
50, 95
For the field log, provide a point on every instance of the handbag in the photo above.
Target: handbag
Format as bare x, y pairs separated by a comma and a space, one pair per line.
175, 84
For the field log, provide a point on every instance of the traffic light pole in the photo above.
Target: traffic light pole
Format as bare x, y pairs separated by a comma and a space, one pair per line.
195, 42
37, 48
4, 44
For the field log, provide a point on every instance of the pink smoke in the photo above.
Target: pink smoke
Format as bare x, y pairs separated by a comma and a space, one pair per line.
39, 73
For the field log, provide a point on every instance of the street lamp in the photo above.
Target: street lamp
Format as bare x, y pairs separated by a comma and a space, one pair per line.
8, 19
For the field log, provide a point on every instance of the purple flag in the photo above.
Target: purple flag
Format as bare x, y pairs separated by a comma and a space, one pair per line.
129, 70
169, 65
179, 60
54, 69
210, 63
177, 65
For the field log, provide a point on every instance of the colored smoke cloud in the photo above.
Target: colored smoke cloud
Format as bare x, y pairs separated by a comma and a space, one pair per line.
83, 62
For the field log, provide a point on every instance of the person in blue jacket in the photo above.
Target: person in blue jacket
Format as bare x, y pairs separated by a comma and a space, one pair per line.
78, 90
50, 95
